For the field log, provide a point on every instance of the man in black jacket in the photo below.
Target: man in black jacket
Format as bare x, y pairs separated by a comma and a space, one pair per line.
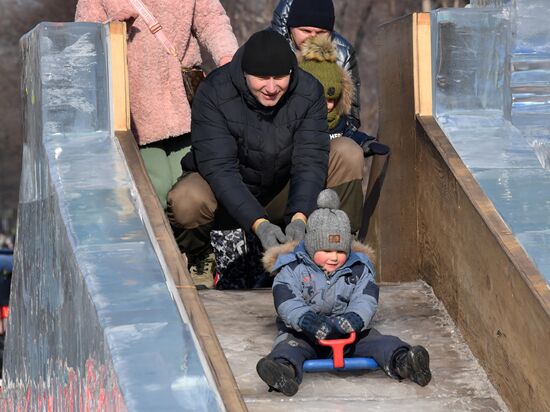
260, 150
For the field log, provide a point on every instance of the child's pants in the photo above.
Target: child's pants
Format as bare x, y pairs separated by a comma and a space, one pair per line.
296, 348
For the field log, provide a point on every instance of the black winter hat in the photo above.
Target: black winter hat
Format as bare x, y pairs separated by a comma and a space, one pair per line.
311, 13
267, 53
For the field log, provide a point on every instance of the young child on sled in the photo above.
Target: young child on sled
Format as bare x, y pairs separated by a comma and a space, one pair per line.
325, 288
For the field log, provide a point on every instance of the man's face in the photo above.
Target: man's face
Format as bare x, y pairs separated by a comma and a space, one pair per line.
301, 34
268, 90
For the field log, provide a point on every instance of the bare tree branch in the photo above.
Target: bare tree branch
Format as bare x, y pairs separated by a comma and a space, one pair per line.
362, 30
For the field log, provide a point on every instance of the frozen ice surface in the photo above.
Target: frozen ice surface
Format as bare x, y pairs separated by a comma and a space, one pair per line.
490, 3
74, 80
491, 90
522, 196
531, 23
537, 242
470, 63
488, 141
90, 293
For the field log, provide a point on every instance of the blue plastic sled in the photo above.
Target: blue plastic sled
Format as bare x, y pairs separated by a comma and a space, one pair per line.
338, 362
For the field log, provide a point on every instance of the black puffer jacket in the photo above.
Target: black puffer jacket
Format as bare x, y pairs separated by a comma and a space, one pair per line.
345, 55
247, 153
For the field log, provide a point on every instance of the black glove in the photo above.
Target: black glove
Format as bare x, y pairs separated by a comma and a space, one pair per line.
372, 147
270, 235
315, 326
295, 230
347, 323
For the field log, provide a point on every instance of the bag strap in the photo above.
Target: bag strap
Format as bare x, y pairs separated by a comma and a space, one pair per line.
154, 26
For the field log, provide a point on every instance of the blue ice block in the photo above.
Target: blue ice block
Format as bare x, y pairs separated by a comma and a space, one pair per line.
491, 93
93, 309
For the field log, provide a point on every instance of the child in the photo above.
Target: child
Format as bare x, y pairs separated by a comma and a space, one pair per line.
318, 57
325, 288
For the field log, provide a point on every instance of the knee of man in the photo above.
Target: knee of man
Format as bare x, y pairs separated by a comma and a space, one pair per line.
345, 151
187, 204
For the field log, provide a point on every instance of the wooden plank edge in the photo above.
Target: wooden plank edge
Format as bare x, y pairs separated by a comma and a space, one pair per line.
422, 52
179, 282
177, 267
119, 78
488, 213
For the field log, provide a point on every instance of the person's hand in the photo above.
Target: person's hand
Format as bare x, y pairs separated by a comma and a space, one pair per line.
270, 235
347, 323
224, 60
316, 326
371, 147
295, 230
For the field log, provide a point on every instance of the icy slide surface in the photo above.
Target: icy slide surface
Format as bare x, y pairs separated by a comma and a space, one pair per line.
93, 324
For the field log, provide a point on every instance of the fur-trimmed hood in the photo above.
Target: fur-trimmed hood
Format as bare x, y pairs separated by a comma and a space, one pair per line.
323, 49
272, 254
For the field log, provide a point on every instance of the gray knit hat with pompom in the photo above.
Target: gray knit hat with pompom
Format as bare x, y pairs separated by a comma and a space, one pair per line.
328, 228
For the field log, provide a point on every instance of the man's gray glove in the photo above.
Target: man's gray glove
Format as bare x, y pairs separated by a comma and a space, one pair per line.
295, 230
270, 235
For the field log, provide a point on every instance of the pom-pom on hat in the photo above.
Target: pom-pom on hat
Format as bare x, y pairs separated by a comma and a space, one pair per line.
311, 13
328, 227
267, 53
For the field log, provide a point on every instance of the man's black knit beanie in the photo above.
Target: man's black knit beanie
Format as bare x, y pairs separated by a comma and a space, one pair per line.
311, 13
267, 53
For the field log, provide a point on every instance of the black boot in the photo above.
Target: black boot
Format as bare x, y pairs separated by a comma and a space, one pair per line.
279, 376
414, 364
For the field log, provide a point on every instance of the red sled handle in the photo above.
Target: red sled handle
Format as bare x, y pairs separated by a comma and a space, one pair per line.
337, 346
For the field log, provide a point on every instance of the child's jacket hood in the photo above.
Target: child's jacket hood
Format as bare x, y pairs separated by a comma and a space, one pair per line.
276, 257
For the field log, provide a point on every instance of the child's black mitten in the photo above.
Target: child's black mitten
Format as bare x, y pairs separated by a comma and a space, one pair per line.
347, 323
372, 147
315, 326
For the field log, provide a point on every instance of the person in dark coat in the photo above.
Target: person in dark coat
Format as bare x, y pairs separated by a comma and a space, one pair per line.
298, 20
260, 150
324, 288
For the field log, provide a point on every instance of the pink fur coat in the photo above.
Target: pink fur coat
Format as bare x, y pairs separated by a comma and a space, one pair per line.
158, 103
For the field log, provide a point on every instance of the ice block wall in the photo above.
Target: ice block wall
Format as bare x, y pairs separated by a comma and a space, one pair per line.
531, 75
93, 324
490, 94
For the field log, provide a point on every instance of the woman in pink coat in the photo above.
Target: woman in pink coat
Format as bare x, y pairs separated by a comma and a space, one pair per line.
161, 116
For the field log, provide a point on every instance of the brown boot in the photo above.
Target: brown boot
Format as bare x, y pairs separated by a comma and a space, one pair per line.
202, 269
